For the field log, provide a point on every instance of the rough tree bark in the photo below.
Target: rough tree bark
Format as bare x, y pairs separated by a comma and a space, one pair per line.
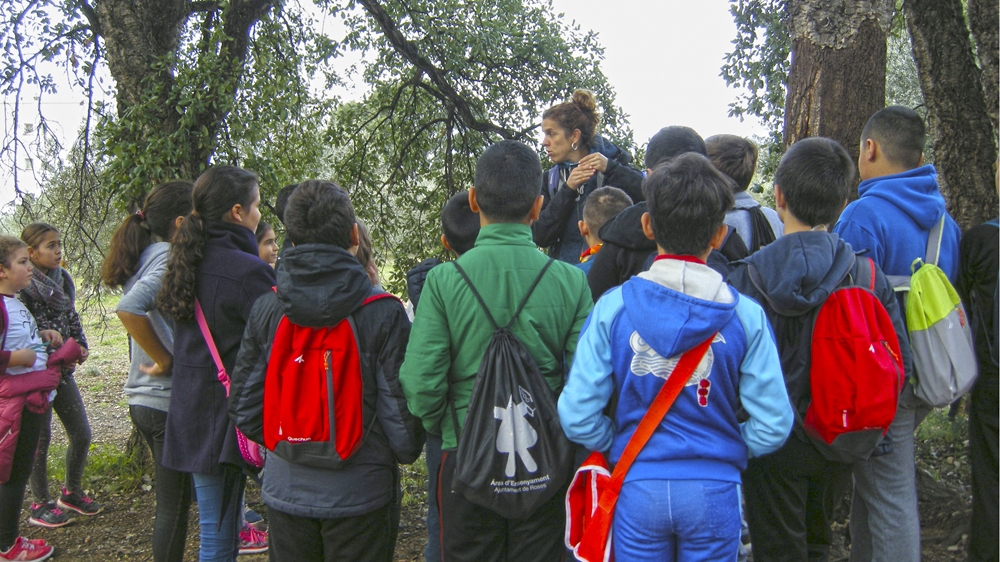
983, 18
141, 38
965, 150
837, 76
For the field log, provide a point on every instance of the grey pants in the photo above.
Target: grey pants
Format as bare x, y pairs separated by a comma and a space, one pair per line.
68, 405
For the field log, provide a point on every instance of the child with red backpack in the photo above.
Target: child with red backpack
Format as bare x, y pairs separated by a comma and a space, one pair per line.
679, 499
316, 382
799, 280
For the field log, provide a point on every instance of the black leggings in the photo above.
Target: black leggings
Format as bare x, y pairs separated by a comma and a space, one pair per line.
68, 405
173, 489
12, 492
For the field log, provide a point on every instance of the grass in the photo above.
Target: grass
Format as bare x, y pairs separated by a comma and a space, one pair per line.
937, 427
414, 482
109, 468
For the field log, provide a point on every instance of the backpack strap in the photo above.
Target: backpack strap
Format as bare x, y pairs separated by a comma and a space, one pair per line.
6, 322
934, 242
866, 275
379, 296
482, 303
199, 315
450, 397
671, 388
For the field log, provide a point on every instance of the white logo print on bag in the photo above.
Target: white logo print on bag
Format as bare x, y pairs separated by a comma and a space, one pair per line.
516, 435
647, 361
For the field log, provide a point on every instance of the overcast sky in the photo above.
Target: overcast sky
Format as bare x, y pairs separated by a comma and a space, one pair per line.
663, 58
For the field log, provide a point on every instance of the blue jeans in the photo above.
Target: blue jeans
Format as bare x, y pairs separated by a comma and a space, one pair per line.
219, 541
677, 520
885, 524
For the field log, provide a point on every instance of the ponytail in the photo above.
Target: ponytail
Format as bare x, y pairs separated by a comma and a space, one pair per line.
216, 191
151, 223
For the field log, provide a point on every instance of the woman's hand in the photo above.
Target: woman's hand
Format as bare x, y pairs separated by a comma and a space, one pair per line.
595, 160
51, 337
579, 176
84, 354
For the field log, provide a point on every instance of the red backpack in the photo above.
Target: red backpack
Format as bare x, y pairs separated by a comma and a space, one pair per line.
314, 393
855, 369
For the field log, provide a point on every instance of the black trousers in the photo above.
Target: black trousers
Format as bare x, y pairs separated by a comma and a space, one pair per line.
364, 538
68, 405
472, 533
790, 496
983, 440
12, 491
173, 489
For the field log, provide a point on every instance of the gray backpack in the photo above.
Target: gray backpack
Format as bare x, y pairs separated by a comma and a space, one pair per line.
944, 360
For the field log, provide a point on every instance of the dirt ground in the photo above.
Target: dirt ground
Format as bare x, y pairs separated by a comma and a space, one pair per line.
123, 530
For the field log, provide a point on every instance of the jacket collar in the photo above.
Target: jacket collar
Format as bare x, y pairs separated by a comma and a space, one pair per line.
505, 234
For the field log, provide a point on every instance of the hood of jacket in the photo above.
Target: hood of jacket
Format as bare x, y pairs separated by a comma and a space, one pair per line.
698, 299
915, 192
625, 230
803, 269
610, 150
320, 285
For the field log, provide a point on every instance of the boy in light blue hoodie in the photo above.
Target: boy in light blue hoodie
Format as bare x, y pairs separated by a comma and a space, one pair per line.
680, 500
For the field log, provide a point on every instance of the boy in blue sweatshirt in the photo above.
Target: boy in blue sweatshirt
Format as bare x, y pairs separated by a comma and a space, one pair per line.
791, 493
898, 204
680, 499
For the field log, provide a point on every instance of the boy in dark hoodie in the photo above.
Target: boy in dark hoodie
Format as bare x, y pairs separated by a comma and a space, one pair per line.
680, 499
326, 513
627, 250
791, 494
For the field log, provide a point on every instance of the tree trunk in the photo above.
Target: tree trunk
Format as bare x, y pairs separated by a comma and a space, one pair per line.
138, 450
837, 77
965, 151
983, 17
142, 39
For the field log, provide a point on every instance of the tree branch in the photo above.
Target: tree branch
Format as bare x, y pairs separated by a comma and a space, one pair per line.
410, 52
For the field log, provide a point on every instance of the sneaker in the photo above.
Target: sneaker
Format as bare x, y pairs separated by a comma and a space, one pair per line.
23, 550
48, 515
252, 541
79, 503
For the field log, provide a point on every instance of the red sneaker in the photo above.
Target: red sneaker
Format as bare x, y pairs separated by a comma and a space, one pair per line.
24, 550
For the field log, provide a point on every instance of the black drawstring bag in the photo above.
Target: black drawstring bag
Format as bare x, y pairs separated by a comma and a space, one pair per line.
512, 453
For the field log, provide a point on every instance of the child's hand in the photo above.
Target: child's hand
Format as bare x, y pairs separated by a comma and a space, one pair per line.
22, 357
84, 354
51, 337
155, 369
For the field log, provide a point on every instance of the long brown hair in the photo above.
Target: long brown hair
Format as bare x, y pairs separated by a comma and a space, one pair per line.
161, 207
215, 193
34, 233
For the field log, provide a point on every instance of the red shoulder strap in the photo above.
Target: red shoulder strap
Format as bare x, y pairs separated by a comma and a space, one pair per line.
381, 296
602, 516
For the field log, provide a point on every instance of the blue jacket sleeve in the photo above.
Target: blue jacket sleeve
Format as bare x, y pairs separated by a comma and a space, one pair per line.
591, 380
762, 385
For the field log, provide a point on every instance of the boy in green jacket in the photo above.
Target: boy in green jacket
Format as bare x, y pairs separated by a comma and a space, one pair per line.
450, 334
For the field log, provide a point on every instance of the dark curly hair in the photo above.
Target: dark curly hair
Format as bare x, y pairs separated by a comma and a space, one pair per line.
155, 218
216, 191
